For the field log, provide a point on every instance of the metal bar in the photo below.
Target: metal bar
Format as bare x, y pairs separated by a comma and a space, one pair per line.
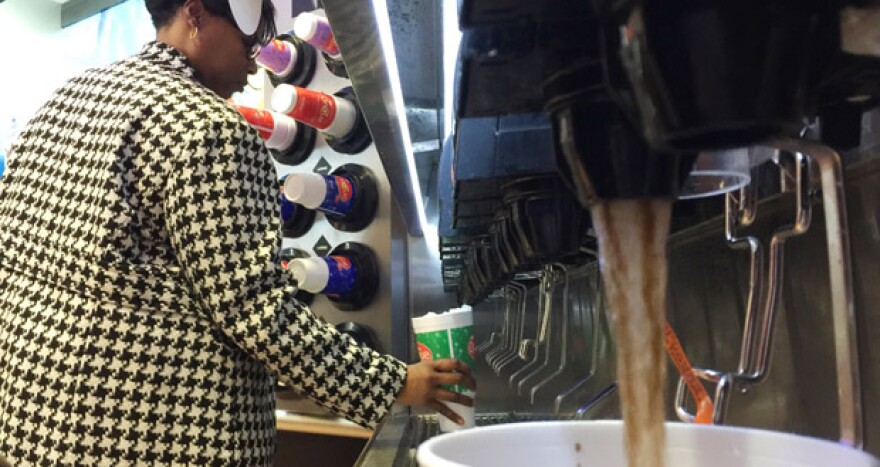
540, 335
594, 350
562, 336
512, 353
757, 343
761, 355
722, 382
516, 329
736, 210
506, 329
581, 412
723, 389
544, 339
839, 267
371, 66
493, 336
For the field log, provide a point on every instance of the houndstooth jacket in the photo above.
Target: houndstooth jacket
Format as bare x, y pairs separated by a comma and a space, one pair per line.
142, 314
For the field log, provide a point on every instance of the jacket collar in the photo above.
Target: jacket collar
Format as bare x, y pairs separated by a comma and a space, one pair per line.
167, 57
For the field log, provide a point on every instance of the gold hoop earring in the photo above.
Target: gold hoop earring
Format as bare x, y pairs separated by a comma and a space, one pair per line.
193, 33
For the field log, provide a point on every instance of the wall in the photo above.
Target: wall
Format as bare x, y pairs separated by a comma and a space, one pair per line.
26, 27
38, 56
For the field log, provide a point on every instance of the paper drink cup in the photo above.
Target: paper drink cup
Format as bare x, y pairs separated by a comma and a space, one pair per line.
448, 335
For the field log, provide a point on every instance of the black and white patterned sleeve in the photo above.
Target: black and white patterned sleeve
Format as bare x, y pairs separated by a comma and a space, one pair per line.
222, 216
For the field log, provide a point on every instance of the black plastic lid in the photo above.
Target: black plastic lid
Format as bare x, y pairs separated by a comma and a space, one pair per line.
367, 284
301, 148
362, 334
303, 70
366, 199
359, 137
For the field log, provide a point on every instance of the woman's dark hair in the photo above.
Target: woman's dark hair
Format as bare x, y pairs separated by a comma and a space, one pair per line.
163, 11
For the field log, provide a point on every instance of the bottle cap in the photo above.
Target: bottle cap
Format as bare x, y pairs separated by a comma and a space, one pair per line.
315, 30
306, 189
283, 134
310, 273
305, 25
284, 98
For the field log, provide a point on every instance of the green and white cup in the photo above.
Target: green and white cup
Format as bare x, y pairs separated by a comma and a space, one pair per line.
448, 335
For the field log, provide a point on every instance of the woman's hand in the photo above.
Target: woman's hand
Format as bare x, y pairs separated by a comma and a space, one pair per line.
425, 381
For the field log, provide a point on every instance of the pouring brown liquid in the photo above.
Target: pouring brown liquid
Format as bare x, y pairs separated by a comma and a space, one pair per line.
632, 247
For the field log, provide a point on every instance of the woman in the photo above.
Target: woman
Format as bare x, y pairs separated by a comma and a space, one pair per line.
142, 314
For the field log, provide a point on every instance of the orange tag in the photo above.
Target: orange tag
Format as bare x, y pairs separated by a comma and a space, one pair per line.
705, 407
425, 353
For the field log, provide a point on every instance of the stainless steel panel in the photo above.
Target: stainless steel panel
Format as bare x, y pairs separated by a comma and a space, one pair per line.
426, 283
357, 27
399, 311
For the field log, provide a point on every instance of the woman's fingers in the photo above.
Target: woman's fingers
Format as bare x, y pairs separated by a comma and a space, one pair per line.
457, 397
451, 364
451, 378
444, 410
425, 381
452, 371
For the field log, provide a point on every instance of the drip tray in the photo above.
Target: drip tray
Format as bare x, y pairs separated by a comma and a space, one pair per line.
395, 442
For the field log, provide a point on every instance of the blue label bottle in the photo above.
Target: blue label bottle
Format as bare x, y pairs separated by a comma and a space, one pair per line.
342, 276
340, 197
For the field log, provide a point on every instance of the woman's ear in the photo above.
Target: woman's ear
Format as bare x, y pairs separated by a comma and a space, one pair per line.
193, 11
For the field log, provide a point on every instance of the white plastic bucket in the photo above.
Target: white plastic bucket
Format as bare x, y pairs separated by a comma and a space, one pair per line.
600, 444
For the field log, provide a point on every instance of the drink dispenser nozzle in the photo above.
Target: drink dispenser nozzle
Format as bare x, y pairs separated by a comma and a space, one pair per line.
348, 196
348, 276
337, 116
600, 142
644, 86
289, 142
288, 60
723, 74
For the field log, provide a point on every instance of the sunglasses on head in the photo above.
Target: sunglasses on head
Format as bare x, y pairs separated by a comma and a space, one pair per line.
251, 44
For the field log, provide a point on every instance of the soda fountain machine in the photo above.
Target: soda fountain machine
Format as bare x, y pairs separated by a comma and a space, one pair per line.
757, 117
